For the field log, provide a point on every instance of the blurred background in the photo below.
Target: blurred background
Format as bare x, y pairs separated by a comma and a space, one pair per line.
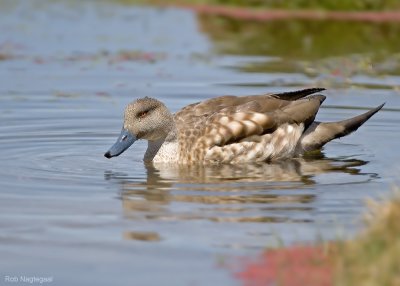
67, 70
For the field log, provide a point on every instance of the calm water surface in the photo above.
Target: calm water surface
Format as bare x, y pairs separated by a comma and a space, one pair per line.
67, 70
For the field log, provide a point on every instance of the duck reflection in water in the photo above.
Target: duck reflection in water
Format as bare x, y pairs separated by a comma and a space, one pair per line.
274, 192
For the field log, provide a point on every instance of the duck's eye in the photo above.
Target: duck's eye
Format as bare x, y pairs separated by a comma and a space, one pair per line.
142, 114
124, 138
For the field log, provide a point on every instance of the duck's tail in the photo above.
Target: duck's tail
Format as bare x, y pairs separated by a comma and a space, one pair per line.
320, 133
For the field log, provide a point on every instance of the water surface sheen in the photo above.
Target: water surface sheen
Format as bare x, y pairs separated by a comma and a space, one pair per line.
67, 69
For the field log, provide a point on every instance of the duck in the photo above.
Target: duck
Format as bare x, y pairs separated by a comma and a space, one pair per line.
232, 129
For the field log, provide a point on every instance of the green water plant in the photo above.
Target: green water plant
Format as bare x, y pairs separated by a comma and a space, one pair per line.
373, 257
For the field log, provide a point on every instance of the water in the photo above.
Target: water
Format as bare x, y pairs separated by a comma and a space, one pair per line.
68, 69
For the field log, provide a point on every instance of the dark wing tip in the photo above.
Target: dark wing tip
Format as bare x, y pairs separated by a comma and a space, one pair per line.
297, 94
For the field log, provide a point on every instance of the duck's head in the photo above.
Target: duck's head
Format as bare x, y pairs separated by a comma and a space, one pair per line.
146, 118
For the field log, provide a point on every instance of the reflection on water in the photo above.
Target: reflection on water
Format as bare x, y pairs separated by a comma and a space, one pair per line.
301, 39
144, 236
331, 53
230, 193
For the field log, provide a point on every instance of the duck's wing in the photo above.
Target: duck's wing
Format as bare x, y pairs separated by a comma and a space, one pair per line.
297, 94
202, 111
229, 119
233, 124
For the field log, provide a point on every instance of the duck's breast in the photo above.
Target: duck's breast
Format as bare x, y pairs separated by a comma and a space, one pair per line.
168, 153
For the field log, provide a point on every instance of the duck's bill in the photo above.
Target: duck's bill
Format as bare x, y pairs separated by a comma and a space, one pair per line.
125, 140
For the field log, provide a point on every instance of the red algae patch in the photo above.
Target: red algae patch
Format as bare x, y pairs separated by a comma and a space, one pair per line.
298, 265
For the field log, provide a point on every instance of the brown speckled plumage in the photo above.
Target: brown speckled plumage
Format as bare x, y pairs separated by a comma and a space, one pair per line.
229, 128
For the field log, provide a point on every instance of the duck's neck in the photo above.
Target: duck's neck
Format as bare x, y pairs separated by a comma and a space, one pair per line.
163, 149
152, 149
